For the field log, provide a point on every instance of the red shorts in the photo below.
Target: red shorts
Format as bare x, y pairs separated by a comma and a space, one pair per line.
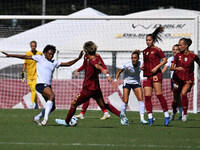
85, 95
148, 81
178, 83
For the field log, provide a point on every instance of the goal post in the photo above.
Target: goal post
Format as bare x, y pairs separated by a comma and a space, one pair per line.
115, 36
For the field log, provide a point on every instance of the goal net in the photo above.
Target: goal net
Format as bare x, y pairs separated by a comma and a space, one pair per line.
116, 38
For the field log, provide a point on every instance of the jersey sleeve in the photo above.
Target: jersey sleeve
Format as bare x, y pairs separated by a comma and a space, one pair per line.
57, 64
197, 59
37, 58
175, 59
161, 54
168, 62
102, 63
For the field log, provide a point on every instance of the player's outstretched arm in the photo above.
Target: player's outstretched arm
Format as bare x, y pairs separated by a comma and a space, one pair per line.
116, 77
17, 56
73, 61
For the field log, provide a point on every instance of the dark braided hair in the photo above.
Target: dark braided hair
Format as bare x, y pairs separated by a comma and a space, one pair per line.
156, 34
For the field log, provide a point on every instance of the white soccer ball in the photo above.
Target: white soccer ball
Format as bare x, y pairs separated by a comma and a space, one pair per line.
74, 121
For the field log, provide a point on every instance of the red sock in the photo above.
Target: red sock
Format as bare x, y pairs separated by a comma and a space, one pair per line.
163, 102
113, 109
70, 114
184, 102
84, 107
148, 104
174, 106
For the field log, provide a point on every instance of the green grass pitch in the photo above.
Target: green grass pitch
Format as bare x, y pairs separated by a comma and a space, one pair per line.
17, 131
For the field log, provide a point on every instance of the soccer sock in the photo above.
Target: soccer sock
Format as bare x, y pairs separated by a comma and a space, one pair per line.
112, 109
184, 104
166, 114
150, 115
84, 107
163, 102
123, 108
174, 106
70, 115
148, 104
40, 115
105, 112
142, 109
180, 111
49, 106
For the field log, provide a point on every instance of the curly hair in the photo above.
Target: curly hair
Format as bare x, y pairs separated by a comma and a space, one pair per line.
49, 47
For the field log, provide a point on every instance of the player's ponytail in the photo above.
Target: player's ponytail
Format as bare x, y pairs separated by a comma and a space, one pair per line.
187, 41
137, 52
156, 34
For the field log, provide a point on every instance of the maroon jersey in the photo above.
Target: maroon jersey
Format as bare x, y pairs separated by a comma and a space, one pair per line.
91, 80
185, 61
100, 62
152, 57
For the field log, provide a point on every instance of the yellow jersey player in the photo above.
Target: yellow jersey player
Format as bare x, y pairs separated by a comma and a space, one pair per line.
31, 73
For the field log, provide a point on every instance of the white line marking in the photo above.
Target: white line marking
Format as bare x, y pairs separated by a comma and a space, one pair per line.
100, 145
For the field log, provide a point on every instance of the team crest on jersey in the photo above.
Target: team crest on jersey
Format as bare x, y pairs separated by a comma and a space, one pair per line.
152, 52
155, 78
179, 58
147, 53
186, 59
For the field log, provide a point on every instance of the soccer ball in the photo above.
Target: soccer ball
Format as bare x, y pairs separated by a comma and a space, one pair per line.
73, 122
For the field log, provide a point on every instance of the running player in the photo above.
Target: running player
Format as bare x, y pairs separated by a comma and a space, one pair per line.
91, 86
183, 77
132, 81
153, 75
45, 68
177, 101
31, 74
86, 104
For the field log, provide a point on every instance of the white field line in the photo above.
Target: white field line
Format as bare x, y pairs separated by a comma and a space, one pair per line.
100, 145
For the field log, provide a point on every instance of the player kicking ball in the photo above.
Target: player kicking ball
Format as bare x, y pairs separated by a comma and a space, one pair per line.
91, 86
45, 68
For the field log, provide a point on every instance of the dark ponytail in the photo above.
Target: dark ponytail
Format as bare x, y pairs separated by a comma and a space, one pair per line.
156, 34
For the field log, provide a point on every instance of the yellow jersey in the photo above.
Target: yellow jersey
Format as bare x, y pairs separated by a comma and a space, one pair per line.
31, 73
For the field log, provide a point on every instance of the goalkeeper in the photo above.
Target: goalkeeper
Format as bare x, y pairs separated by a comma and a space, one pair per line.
31, 74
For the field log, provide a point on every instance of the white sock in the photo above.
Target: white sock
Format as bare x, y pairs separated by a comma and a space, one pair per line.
106, 113
123, 108
166, 114
150, 115
40, 115
49, 106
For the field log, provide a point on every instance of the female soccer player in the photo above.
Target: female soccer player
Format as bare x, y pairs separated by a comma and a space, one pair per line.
86, 104
91, 86
132, 81
31, 73
45, 69
177, 100
153, 75
183, 67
